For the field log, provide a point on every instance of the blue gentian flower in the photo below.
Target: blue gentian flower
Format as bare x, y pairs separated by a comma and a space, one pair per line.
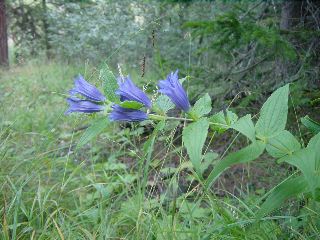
80, 105
128, 91
125, 114
174, 90
92, 97
90, 92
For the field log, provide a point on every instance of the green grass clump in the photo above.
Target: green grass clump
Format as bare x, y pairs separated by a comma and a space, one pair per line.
50, 190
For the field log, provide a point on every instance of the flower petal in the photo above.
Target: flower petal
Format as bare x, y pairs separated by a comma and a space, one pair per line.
82, 87
174, 90
84, 106
125, 114
128, 91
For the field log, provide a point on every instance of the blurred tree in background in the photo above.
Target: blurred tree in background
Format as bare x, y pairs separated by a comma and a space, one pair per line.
230, 47
3, 35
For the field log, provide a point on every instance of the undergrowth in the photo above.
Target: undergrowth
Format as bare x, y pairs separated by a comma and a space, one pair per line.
52, 190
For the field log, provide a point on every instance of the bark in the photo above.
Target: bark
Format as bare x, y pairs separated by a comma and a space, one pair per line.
46, 28
290, 14
3, 35
304, 12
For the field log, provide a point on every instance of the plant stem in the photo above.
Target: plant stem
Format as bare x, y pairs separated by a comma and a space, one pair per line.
161, 117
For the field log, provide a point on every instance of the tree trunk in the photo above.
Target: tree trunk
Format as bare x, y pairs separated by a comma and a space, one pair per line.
46, 28
290, 14
305, 12
3, 35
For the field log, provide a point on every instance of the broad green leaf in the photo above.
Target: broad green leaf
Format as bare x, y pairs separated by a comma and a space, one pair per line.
193, 209
314, 141
194, 137
220, 122
273, 115
245, 126
131, 104
308, 162
110, 84
282, 144
168, 171
164, 104
208, 159
246, 154
94, 130
182, 80
312, 125
291, 187
202, 106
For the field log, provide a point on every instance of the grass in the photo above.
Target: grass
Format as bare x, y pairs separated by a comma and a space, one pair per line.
50, 190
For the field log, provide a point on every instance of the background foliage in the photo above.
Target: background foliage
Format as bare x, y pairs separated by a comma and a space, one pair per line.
228, 45
86, 178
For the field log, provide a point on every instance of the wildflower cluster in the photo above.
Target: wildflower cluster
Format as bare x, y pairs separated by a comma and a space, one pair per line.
266, 135
86, 98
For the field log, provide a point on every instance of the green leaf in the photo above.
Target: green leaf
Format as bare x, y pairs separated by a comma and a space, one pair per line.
208, 159
202, 106
131, 104
194, 137
308, 162
314, 141
273, 115
312, 125
220, 122
245, 126
291, 187
168, 171
94, 130
163, 104
110, 84
282, 144
246, 154
193, 210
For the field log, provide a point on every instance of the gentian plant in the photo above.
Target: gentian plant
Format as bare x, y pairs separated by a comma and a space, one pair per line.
124, 101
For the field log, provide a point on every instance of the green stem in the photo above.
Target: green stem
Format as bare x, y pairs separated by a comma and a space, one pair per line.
161, 117
157, 117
